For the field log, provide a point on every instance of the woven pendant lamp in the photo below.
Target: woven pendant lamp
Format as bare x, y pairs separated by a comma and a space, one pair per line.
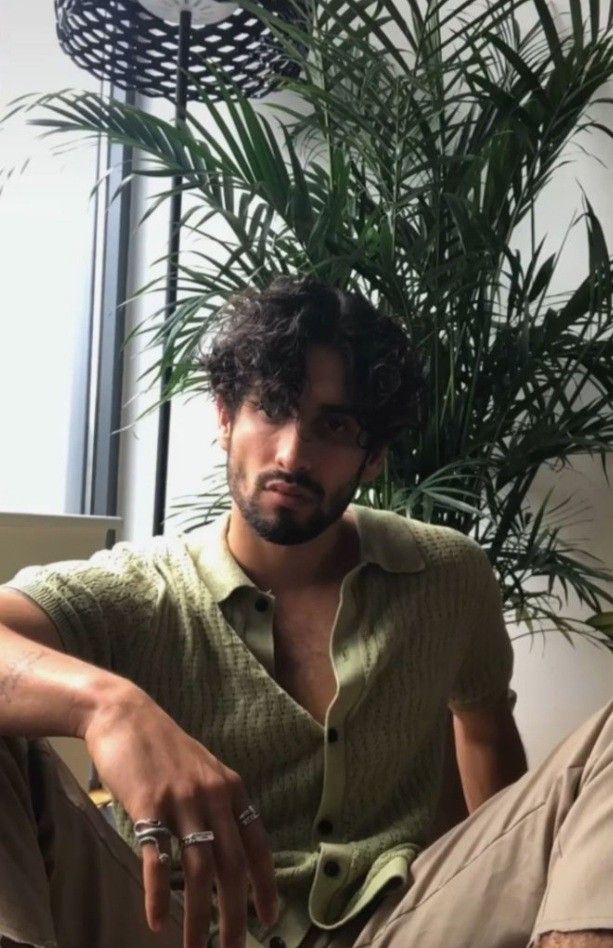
135, 43
164, 48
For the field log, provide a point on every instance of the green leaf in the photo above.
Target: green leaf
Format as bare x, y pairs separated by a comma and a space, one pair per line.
550, 32
603, 621
542, 279
577, 21
595, 18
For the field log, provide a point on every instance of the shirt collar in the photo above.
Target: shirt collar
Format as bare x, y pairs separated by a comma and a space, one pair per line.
217, 566
385, 539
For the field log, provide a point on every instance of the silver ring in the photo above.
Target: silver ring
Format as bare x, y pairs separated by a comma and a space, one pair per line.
203, 836
143, 825
248, 815
151, 831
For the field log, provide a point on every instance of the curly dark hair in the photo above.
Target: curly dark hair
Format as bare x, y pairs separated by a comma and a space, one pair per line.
265, 337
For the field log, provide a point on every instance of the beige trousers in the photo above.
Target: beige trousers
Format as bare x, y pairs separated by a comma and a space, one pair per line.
536, 857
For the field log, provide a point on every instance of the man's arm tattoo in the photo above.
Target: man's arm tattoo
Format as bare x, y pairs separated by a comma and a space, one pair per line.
17, 669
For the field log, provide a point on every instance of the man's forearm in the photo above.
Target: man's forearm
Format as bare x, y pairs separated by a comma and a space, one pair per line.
488, 766
44, 692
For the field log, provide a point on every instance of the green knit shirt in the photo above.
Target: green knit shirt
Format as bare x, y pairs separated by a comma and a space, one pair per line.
347, 805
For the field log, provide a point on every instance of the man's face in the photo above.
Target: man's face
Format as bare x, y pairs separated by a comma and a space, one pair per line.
291, 477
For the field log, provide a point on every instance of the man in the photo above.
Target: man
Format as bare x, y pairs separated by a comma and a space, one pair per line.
266, 698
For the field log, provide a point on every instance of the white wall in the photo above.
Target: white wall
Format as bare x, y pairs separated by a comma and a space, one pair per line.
557, 685
560, 684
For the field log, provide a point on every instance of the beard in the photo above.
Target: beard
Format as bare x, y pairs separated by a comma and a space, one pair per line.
284, 526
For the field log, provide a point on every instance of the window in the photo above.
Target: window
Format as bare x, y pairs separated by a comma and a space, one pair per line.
46, 234
60, 365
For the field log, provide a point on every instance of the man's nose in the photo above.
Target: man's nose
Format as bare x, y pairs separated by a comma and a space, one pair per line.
293, 446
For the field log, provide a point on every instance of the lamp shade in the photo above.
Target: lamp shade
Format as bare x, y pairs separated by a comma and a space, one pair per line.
135, 48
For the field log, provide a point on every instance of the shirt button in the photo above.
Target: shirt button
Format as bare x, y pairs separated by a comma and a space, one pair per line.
276, 942
332, 868
261, 605
325, 827
332, 735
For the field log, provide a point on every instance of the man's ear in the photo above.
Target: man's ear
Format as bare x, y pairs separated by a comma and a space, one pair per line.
374, 464
224, 423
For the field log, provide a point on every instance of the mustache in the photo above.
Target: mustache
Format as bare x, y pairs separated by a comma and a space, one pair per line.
292, 480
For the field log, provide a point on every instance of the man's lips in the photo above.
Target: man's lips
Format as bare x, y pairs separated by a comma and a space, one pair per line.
280, 487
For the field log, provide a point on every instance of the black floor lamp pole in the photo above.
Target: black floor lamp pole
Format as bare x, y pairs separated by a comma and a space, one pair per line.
174, 235
136, 45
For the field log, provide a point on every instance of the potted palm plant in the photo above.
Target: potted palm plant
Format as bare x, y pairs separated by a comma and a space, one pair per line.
401, 163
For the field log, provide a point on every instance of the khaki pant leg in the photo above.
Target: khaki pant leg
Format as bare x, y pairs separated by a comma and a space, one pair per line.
67, 879
536, 857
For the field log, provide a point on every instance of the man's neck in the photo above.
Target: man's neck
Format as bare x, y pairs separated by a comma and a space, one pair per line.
319, 562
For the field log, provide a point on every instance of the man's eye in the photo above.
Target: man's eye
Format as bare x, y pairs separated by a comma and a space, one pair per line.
272, 413
337, 423
341, 426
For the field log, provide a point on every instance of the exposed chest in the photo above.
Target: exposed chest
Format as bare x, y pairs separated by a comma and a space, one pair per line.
302, 632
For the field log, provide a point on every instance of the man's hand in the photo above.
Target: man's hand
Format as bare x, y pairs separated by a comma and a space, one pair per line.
156, 771
151, 766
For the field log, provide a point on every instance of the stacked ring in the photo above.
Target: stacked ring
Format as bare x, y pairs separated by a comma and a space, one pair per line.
204, 836
151, 831
248, 815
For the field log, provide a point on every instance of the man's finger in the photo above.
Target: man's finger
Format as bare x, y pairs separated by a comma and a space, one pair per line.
232, 880
198, 882
258, 852
156, 879
260, 868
